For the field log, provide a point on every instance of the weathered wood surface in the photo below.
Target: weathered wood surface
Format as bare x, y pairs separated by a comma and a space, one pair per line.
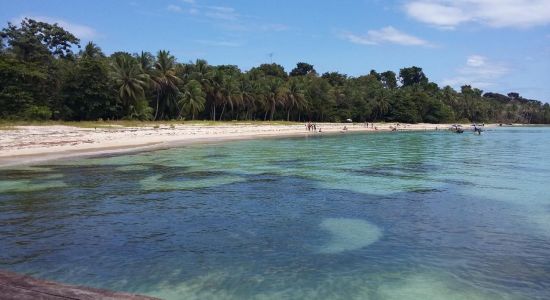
21, 287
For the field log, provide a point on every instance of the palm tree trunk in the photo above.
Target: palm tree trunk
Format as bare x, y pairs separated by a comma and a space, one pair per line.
180, 111
157, 110
223, 109
272, 111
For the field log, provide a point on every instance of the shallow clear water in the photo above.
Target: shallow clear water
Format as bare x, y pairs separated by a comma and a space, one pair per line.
425, 215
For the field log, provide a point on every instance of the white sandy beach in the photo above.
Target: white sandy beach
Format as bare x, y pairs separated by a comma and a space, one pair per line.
32, 144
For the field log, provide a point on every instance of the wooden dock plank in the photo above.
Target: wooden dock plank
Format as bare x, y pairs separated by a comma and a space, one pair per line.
16, 286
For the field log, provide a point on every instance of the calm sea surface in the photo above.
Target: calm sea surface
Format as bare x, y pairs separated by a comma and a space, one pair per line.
423, 215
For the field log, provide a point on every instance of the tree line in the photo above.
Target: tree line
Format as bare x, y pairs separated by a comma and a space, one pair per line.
42, 77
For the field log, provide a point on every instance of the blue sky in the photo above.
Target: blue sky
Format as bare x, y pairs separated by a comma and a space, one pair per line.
495, 45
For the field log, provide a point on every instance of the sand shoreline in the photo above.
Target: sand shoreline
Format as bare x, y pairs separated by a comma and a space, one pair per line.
23, 145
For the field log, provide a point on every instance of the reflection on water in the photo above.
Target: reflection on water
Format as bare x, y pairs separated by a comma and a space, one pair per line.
428, 215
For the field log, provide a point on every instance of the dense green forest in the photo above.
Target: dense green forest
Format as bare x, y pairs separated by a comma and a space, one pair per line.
42, 77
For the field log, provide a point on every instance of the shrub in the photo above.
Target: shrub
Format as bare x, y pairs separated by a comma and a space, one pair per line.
41, 113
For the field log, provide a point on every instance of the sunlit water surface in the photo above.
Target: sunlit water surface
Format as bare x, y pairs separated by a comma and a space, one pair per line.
425, 215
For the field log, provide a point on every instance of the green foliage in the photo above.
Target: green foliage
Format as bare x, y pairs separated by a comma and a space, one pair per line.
130, 82
268, 70
88, 92
303, 69
411, 76
40, 113
335, 78
165, 83
38, 41
17, 91
41, 79
388, 79
193, 98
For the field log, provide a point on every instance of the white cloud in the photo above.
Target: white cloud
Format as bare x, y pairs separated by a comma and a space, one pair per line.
436, 14
274, 27
227, 18
174, 8
475, 61
479, 72
187, 6
79, 30
222, 13
385, 35
494, 13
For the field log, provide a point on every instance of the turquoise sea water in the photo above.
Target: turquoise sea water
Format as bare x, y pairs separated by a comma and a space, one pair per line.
417, 215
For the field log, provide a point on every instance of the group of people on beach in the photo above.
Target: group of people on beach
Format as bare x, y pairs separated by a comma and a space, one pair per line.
367, 125
312, 127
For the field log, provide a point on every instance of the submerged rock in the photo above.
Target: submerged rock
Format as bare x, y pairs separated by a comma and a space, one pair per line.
155, 183
18, 186
348, 234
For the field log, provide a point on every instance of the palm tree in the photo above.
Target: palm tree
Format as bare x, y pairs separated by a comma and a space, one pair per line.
247, 95
275, 91
382, 104
166, 85
185, 71
215, 91
131, 82
91, 51
201, 71
146, 61
229, 94
295, 97
193, 98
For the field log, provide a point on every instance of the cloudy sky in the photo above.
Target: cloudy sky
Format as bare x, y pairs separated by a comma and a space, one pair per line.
495, 45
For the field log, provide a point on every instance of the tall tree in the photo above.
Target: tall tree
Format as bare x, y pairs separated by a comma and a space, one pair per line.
388, 79
38, 41
193, 98
228, 93
295, 96
303, 69
166, 86
412, 75
91, 51
87, 92
131, 83
268, 70
35, 56
275, 92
